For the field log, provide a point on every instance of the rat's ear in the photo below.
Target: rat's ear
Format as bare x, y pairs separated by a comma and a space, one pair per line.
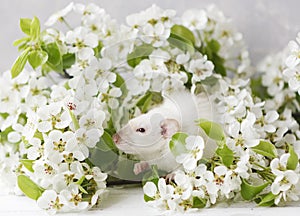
169, 127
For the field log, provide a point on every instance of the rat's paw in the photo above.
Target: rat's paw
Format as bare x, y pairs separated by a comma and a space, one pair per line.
140, 167
170, 177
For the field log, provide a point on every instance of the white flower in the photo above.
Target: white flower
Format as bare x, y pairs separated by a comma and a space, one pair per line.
161, 194
112, 96
50, 201
81, 42
52, 116
195, 146
45, 171
194, 19
83, 140
183, 188
283, 183
36, 149
57, 144
92, 120
201, 68
278, 166
73, 199
293, 76
59, 16
294, 58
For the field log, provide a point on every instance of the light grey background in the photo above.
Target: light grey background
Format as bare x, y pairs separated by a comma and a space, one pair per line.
267, 25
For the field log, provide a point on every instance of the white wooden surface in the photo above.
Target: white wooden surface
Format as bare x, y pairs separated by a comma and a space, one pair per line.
129, 202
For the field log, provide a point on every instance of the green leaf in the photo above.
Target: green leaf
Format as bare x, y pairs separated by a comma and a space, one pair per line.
266, 149
177, 143
293, 160
145, 102
82, 189
199, 202
106, 143
54, 56
182, 38
119, 81
226, 155
97, 50
249, 192
23, 40
147, 198
37, 58
74, 120
266, 200
212, 129
211, 49
25, 25
19, 64
138, 54
219, 65
35, 29
28, 164
183, 33
68, 60
29, 188
214, 45
152, 175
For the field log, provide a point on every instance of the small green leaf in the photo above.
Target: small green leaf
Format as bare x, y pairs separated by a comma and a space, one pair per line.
80, 181
266, 200
35, 29
226, 155
182, 38
145, 102
82, 189
54, 56
74, 120
212, 130
214, 45
147, 198
152, 175
199, 202
119, 81
23, 40
106, 143
293, 160
25, 25
138, 54
68, 60
177, 143
29, 188
183, 32
97, 50
19, 64
219, 65
249, 192
37, 58
28, 164
266, 149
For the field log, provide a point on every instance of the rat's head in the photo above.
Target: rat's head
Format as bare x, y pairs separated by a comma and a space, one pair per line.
145, 133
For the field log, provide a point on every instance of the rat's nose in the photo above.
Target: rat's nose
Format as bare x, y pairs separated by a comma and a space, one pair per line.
116, 138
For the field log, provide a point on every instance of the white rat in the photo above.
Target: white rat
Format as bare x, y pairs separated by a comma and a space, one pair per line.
147, 136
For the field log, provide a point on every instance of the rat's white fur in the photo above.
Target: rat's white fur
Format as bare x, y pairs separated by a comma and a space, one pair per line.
178, 112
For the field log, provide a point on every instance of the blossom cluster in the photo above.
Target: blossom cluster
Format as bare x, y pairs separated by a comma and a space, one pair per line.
57, 121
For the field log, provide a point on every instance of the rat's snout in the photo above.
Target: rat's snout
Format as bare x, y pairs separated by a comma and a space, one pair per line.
116, 138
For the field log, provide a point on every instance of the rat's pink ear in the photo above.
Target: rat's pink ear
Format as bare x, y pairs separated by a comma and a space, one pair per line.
169, 127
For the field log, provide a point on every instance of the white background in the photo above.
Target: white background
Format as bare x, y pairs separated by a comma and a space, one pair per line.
267, 24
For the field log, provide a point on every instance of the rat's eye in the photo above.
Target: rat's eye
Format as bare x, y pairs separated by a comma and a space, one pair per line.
141, 130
